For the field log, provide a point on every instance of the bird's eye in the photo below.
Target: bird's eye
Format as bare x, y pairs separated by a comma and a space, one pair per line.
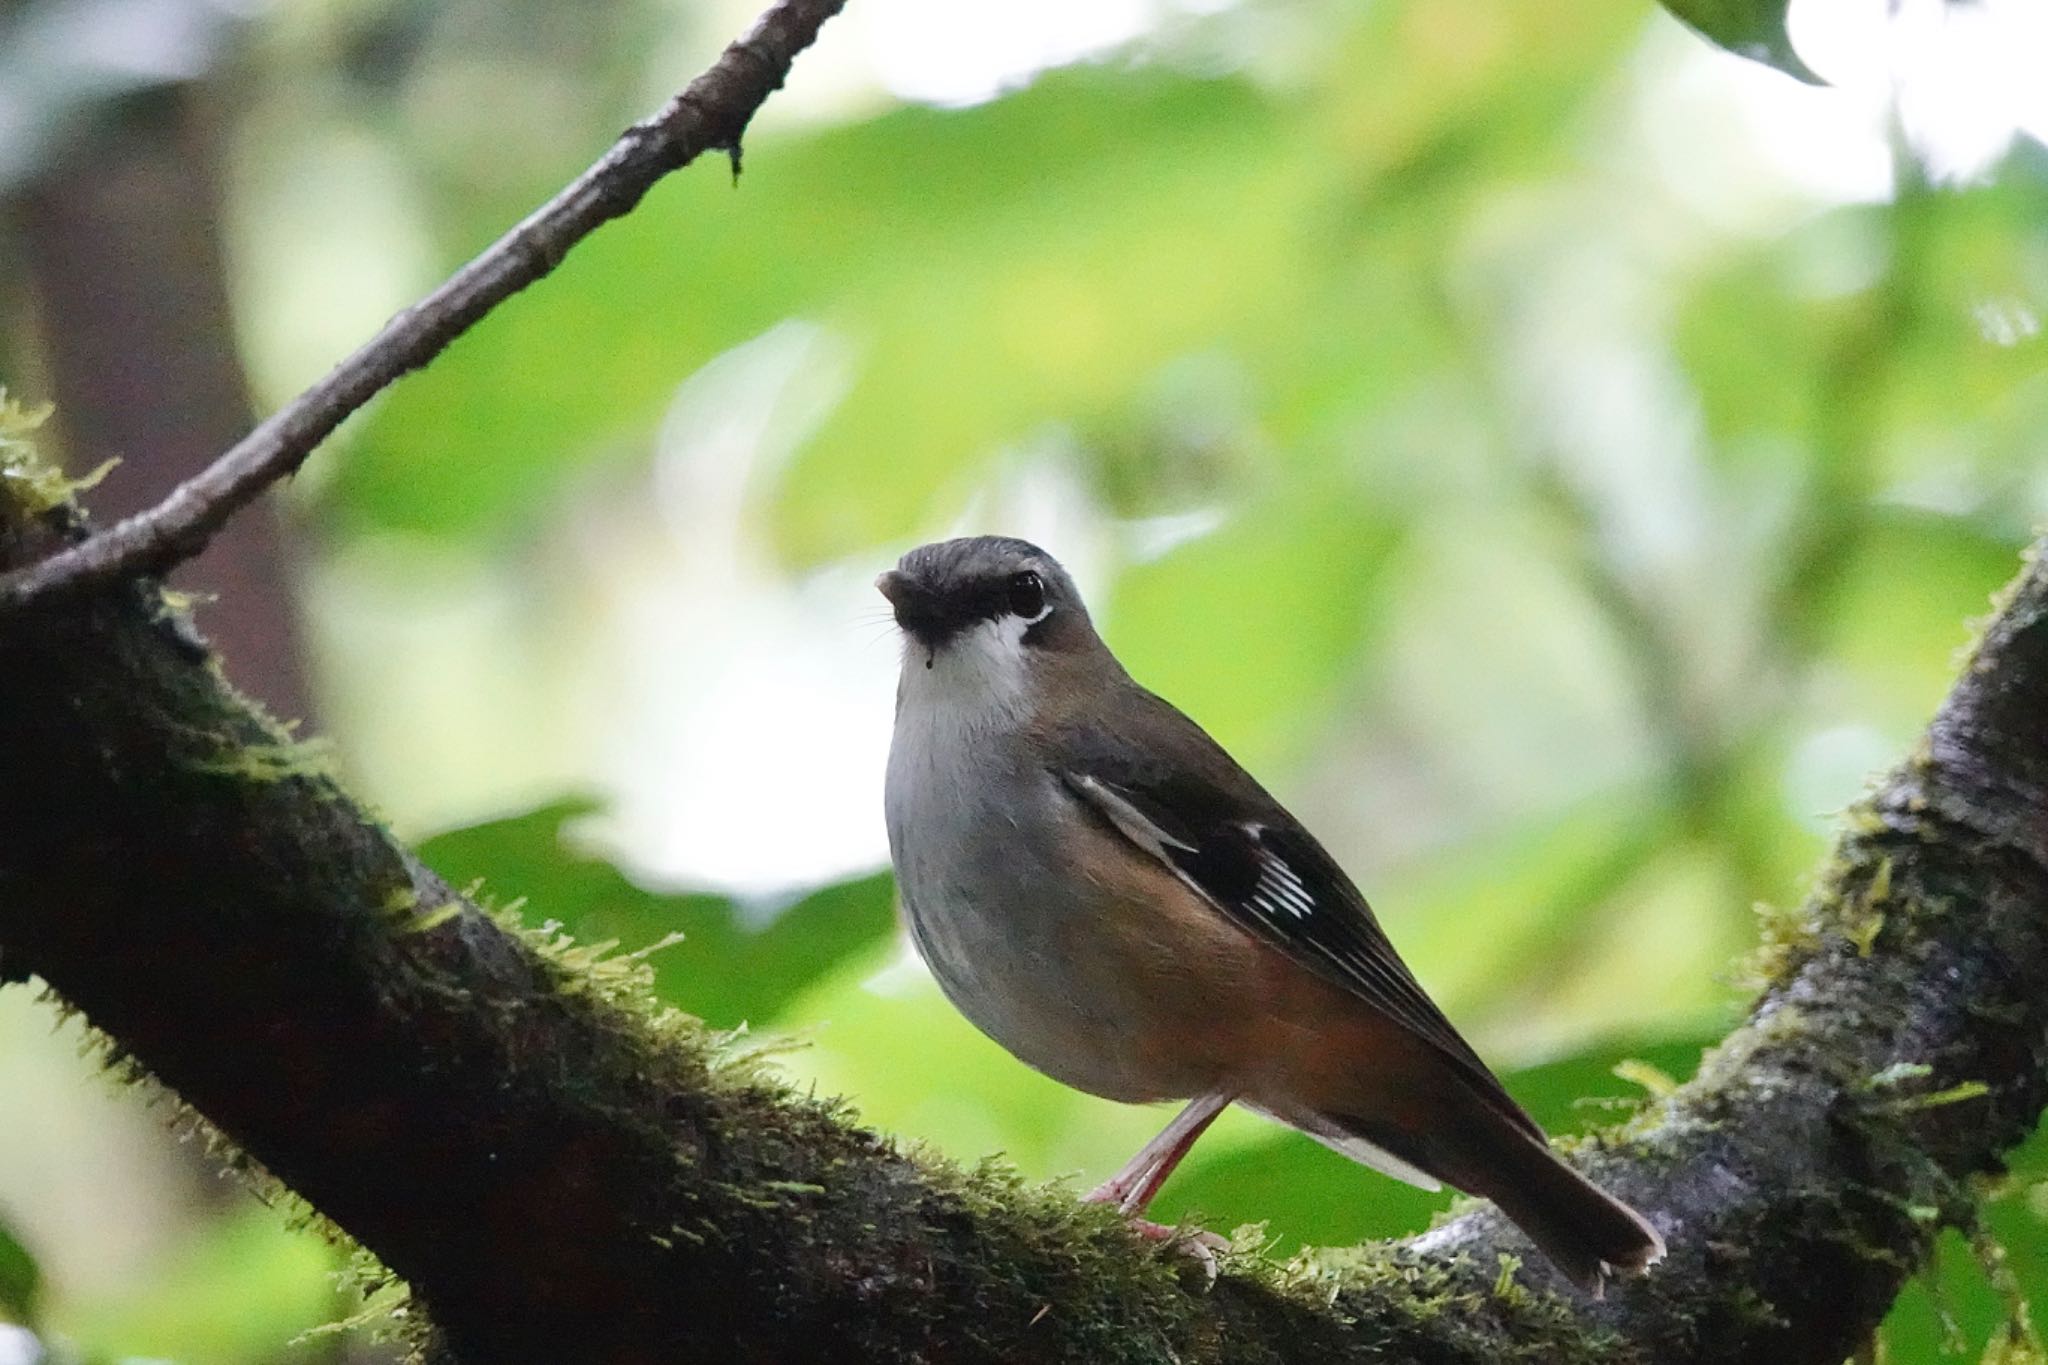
1027, 595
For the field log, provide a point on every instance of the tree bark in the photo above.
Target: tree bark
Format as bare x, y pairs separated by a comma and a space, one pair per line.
562, 1170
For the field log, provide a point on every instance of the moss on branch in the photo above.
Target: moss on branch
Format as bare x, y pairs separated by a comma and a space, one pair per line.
564, 1170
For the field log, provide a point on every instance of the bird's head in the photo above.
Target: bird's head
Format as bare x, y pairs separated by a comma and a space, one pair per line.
998, 601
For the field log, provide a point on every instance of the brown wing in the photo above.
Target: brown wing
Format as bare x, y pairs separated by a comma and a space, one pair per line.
1220, 832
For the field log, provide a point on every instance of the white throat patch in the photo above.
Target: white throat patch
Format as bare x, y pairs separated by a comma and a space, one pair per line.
977, 677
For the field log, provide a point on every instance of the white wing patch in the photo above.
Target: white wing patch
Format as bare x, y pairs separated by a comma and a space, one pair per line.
1132, 822
1359, 1150
1279, 889
1381, 1160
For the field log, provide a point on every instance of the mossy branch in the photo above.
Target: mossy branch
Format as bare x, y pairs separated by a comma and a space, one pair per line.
563, 1171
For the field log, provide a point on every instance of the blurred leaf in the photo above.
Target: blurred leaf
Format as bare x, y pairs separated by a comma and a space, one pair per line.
1955, 1304
892, 1044
1305, 1194
726, 970
1901, 619
1900, 340
1031, 181
1756, 330
1749, 28
1773, 842
1962, 402
235, 1293
1282, 598
1530, 885
1654, 955
21, 1280
1311, 1196
1026, 263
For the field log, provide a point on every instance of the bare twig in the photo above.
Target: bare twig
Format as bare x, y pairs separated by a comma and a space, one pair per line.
710, 114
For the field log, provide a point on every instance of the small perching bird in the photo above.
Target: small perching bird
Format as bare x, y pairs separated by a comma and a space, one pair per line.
1101, 889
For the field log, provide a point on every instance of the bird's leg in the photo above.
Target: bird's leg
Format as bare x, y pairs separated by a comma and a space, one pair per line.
1132, 1188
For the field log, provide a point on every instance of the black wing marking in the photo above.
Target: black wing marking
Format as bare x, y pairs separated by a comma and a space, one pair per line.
1270, 876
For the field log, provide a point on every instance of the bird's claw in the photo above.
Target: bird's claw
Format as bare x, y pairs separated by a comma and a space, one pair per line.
1198, 1244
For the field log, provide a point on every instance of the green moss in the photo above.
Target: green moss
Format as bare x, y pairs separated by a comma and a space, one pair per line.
1898, 1073
2016, 1343
1858, 898
1749, 1306
1655, 1081
1954, 1094
1786, 938
386, 1314
276, 762
31, 484
1505, 1286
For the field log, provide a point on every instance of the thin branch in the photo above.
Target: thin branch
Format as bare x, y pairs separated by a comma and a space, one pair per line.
711, 114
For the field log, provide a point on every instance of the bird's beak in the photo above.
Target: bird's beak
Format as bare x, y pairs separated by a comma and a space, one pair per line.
919, 611
894, 585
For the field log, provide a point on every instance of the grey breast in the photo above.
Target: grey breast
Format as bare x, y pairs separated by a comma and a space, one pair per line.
974, 826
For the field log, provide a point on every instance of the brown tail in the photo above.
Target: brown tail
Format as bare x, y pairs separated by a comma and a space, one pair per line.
1484, 1144
1585, 1231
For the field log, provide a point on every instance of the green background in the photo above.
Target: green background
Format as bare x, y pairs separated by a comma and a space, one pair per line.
1560, 502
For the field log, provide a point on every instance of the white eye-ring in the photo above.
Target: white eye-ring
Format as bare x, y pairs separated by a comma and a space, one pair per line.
1027, 597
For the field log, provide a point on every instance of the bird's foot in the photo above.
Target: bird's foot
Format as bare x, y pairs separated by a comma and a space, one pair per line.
1181, 1236
1198, 1244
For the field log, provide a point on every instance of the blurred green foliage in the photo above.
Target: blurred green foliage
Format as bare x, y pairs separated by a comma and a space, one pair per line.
21, 1280
1752, 28
246, 1290
1036, 259
1564, 522
733, 964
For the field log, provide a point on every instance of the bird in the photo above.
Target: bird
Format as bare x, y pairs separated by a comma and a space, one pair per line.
1101, 889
